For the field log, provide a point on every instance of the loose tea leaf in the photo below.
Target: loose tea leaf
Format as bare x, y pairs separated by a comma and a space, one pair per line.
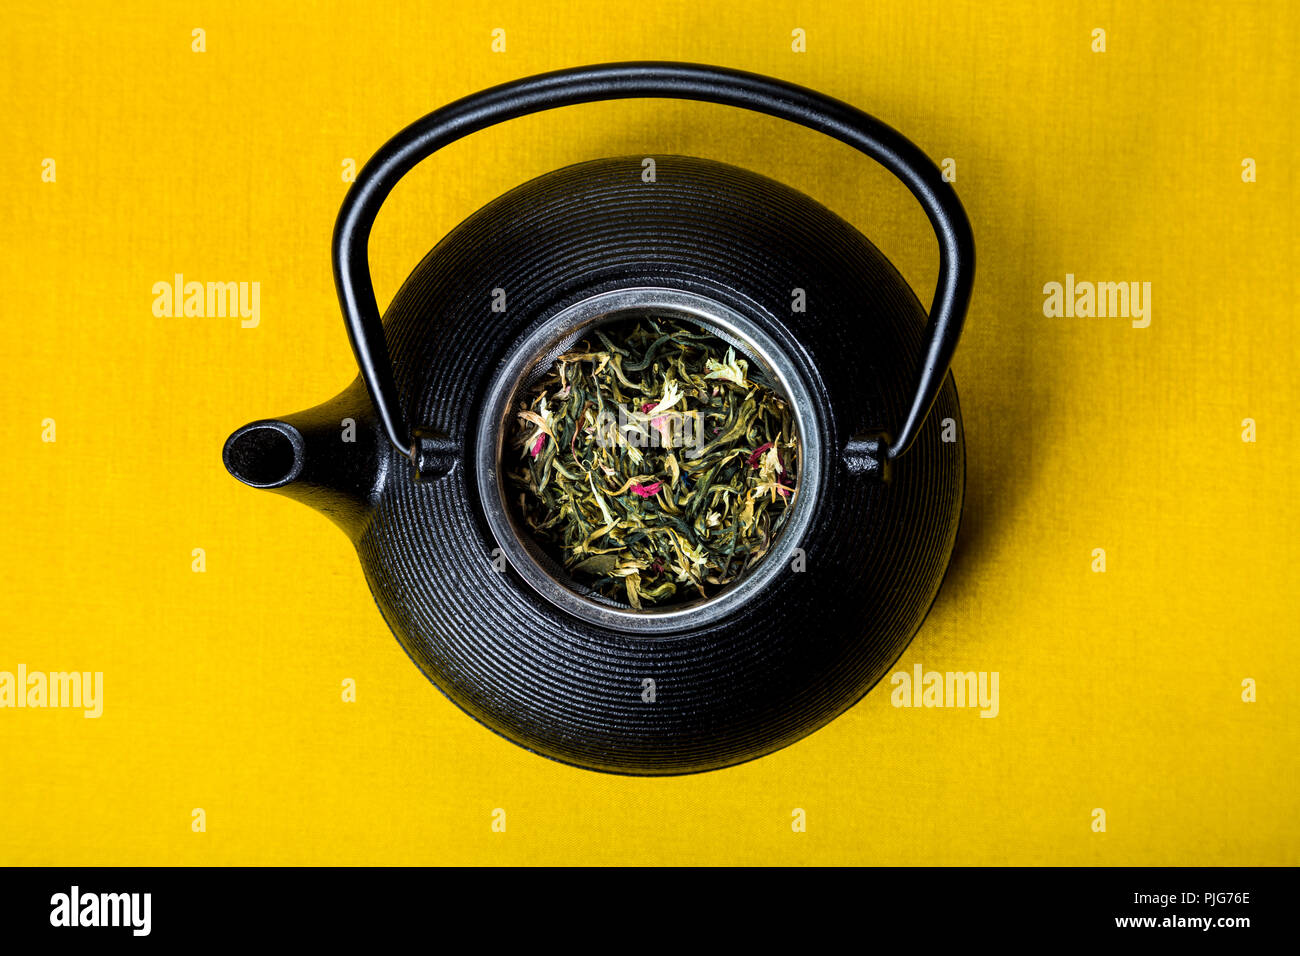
653, 463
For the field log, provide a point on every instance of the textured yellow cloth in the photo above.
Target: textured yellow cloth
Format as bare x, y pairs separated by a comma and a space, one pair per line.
1120, 691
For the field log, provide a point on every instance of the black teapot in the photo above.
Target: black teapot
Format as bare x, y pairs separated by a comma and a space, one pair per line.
407, 459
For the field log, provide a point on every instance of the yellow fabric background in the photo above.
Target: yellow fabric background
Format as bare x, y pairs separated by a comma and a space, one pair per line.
222, 690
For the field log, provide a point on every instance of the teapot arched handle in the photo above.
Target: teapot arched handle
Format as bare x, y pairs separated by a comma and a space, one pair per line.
652, 80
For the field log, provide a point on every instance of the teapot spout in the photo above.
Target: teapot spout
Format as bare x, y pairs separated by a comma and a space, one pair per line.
330, 457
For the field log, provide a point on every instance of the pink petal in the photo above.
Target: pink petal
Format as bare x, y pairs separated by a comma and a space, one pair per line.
646, 406
647, 491
758, 453
537, 445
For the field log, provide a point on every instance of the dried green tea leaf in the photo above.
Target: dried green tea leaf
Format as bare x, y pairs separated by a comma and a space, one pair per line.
651, 465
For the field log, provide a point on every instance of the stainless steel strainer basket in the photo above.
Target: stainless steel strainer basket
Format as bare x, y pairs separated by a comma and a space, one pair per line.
535, 356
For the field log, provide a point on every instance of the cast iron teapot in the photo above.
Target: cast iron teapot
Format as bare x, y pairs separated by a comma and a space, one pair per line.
407, 459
